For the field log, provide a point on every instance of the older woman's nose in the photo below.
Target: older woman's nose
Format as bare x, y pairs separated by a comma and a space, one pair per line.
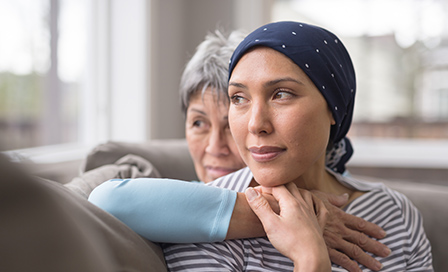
217, 143
259, 122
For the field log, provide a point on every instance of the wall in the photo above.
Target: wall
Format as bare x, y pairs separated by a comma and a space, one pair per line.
177, 27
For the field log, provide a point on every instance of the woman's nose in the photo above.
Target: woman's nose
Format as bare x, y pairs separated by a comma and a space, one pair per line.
217, 143
259, 122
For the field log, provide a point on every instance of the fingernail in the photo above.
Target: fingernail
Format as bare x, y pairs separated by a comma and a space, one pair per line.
251, 194
387, 251
378, 266
345, 195
383, 233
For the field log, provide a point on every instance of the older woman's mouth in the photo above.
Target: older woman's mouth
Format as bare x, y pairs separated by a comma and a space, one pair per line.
217, 172
265, 153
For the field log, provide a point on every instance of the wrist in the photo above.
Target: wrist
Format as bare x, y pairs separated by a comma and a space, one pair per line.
314, 259
316, 264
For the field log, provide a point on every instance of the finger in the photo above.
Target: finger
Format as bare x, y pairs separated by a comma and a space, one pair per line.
353, 227
283, 194
265, 190
359, 224
260, 206
367, 243
259, 189
321, 212
305, 195
338, 258
292, 188
356, 253
336, 200
312, 201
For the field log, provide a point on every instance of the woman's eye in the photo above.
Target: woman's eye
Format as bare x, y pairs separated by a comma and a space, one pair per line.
283, 95
198, 123
199, 126
236, 99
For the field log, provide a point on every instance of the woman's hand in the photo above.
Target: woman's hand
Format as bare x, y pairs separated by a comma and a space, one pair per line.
296, 231
346, 236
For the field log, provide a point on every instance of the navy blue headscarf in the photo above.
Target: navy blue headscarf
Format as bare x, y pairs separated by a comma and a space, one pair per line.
324, 59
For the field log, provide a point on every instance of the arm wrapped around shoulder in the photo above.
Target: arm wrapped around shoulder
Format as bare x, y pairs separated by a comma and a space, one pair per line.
164, 210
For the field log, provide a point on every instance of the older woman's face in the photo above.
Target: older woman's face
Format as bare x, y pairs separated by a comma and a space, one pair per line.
211, 145
279, 120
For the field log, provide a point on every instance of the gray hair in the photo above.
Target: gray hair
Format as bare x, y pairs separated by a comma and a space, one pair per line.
209, 66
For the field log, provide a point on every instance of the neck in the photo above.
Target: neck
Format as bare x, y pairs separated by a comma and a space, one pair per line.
318, 178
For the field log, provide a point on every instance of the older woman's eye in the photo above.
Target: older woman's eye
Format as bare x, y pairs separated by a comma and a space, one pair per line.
198, 123
199, 126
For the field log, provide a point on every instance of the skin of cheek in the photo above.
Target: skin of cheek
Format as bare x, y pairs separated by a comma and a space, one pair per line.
221, 152
298, 126
195, 147
304, 134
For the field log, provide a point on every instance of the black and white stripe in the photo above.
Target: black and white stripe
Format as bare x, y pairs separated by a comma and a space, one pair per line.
389, 209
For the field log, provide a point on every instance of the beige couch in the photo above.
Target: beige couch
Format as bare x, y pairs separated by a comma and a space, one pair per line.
171, 159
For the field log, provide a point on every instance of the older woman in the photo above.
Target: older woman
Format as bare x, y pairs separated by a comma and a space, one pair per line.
292, 89
203, 91
215, 214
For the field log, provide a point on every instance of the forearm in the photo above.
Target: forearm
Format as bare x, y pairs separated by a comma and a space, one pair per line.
244, 223
166, 210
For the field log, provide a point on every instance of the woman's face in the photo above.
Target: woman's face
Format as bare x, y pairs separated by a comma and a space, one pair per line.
279, 120
211, 145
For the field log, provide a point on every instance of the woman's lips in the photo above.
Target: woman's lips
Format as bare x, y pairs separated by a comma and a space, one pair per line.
265, 153
217, 172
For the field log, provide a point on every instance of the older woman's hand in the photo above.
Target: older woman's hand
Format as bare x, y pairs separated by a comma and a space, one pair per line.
346, 236
296, 231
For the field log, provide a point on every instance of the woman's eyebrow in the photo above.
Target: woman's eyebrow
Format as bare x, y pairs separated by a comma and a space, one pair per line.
197, 111
269, 83
284, 79
238, 85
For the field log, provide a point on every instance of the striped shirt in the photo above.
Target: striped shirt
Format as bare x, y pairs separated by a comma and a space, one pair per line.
388, 209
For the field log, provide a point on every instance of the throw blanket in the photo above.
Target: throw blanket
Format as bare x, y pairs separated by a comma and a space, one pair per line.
129, 166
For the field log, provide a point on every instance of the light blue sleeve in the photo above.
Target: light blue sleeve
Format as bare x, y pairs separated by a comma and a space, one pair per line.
167, 210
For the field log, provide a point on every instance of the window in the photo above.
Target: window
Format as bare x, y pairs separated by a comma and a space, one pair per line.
42, 60
73, 74
400, 52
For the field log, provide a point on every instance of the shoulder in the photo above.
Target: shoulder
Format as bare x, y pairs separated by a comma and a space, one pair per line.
378, 195
236, 181
403, 223
387, 208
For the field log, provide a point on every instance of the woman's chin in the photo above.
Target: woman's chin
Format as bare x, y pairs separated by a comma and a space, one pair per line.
268, 182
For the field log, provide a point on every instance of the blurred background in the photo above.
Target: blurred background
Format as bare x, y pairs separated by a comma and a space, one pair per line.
76, 73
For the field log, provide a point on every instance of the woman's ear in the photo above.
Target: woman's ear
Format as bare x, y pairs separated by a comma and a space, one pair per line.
333, 122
